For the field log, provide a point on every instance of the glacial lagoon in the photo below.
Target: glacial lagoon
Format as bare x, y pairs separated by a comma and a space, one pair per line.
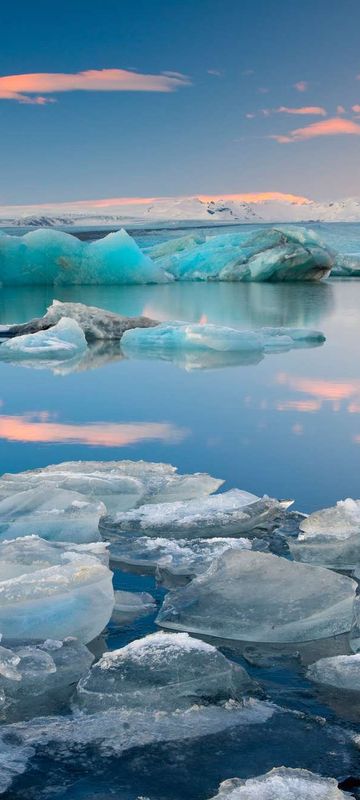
284, 424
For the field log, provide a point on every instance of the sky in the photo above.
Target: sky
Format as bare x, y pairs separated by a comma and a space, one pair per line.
176, 97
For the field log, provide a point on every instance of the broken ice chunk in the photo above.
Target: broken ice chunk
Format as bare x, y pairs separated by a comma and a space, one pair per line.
282, 783
342, 672
260, 597
162, 672
52, 591
129, 606
330, 537
224, 514
53, 514
64, 341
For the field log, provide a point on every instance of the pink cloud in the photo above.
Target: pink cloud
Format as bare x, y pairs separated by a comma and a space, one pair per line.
328, 127
340, 110
303, 110
301, 86
22, 87
356, 108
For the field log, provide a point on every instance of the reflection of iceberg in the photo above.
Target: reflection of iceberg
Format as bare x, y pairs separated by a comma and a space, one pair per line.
52, 257
274, 254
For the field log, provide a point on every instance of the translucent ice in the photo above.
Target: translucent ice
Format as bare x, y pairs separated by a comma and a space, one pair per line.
282, 783
52, 591
346, 266
173, 336
260, 597
224, 514
330, 537
275, 254
54, 514
132, 605
54, 258
120, 485
162, 672
342, 672
64, 341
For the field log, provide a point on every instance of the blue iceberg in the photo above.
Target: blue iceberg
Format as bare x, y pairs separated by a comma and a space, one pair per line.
65, 340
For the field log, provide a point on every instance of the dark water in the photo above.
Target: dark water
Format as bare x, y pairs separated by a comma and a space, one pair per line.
288, 426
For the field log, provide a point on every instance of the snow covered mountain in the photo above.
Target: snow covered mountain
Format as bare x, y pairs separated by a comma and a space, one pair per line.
229, 209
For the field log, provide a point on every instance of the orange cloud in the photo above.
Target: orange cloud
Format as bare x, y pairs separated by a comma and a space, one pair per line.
303, 110
37, 428
328, 127
301, 86
22, 87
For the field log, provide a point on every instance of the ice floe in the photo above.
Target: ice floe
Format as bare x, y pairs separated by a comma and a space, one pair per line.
225, 514
53, 591
162, 672
51, 513
261, 597
342, 672
62, 342
330, 537
282, 783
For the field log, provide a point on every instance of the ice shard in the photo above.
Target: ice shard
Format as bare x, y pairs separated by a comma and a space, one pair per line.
225, 514
54, 514
261, 597
330, 537
163, 672
53, 591
129, 606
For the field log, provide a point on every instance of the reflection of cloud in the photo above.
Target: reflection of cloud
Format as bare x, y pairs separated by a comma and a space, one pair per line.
321, 390
37, 428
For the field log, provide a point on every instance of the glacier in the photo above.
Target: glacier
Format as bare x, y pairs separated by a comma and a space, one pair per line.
292, 602
282, 783
225, 514
162, 672
52, 590
55, 258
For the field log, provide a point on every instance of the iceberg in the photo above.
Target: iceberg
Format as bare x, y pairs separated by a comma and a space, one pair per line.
168, 337
341, 672
226, 514
330, 537
54, 258
274, 254
129, 606
53, 591
260, 597
51, 513
346, 266
119, 485
282, 783
96, 323
162, 672
63, 341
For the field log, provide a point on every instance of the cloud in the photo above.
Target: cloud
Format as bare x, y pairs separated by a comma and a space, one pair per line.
217, 72
340, 110
328, 127
31, 88
257, 197
303, 110
356, 108
250, 116
301, 86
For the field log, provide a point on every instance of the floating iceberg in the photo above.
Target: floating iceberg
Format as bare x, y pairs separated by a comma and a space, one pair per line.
342, 672
52, 591
282, 783
40, 677
120, 485
330, 537
51, 513
162, 672
62, 342
274, 254
131, 605
53, 258
168, 337
96, 323
260, 597
224, 514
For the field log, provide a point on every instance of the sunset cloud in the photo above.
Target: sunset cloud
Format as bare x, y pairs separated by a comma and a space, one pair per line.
301, 86
33, 88
328, 127
303, 110
356, 108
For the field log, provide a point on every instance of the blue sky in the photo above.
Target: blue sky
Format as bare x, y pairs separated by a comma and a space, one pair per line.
212, 131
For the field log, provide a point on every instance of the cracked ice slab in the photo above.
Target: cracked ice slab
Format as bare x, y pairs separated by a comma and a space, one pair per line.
222, 514
260, 597
51, 590
281, 783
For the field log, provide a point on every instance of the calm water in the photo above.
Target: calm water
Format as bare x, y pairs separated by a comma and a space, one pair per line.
288, 426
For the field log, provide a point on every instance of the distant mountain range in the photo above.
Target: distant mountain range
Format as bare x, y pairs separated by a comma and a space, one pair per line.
176, 210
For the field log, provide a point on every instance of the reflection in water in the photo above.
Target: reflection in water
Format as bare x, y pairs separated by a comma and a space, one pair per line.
39, 428
242, 305
332, 391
